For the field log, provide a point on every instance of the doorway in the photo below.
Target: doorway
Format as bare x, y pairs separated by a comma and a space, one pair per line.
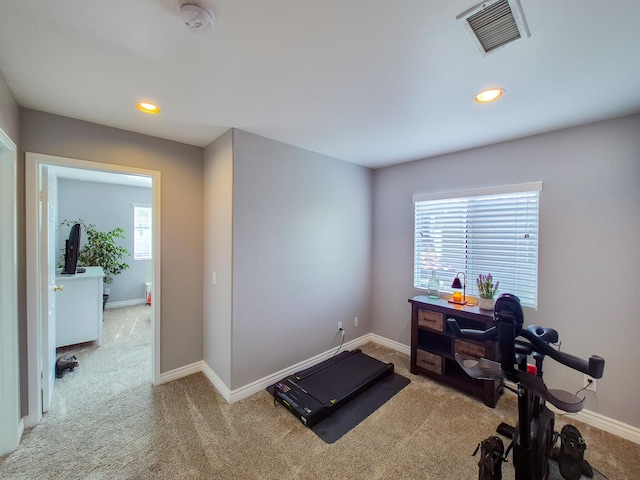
39, 367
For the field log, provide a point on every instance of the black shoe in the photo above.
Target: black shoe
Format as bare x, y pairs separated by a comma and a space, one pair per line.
491, 457
570, 455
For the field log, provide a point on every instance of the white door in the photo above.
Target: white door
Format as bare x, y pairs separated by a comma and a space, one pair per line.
48, 222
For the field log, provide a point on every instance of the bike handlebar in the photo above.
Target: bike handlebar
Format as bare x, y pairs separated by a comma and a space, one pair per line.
538, 338
593, 367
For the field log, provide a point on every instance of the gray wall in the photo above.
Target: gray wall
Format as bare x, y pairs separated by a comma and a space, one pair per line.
589, 265
301, 254
181, 213
107, 206
218, 225
297, 228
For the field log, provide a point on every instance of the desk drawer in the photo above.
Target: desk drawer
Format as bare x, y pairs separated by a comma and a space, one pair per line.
429, 361
466, 347
431, 320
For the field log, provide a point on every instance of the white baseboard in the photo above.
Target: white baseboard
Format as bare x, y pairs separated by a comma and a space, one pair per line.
181, 372
216, 382
126, 303
628, 432
385, 342
232, 396
237, 394
31, 420
594, 419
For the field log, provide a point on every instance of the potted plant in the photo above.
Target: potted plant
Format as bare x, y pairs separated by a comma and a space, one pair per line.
486, 291
101, 250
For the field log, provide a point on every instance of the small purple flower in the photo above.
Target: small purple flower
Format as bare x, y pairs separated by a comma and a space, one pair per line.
486, 288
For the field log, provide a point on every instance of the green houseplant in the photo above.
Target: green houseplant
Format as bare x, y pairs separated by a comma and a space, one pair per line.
486, 290
101, 249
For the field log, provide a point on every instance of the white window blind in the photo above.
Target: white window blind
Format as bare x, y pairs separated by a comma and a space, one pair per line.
487, 231
142, 232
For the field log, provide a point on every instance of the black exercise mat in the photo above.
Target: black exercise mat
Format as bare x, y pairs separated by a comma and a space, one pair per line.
344, 419
554, 473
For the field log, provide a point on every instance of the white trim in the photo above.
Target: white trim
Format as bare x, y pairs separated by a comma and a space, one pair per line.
181, 372
610, 425
216, 382
156, 202
261, 384
385, 342
32, 164
125, 303
11, 424
518, 187
8, 143
594, 419
32, 194
232, 396
601, 422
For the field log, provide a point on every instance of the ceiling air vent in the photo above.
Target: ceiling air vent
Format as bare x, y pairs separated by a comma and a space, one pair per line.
494, 24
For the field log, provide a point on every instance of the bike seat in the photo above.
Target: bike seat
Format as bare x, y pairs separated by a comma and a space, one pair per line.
548, 335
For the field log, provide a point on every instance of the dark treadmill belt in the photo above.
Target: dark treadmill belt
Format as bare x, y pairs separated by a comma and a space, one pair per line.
340, 379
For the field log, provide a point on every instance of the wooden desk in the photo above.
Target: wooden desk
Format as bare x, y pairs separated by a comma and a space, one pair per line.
79, 307
433, 345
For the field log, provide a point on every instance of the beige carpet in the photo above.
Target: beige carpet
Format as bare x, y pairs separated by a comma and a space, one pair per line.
108, 422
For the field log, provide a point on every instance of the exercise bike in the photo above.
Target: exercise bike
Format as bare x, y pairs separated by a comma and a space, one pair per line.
533, 436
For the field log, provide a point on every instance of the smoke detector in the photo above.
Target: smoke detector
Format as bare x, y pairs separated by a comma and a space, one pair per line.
494, 24
198, 18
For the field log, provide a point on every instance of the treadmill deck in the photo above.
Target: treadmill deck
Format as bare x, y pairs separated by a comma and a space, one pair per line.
316, 392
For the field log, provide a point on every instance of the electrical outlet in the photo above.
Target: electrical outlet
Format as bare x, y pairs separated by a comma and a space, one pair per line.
590, 383
355, 321
339, 325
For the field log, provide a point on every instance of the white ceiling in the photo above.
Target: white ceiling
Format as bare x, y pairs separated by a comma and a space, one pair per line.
373, 82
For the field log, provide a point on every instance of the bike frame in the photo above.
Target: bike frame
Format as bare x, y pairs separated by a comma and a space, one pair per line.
532, 438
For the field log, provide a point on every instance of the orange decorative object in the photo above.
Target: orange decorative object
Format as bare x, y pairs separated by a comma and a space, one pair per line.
457, 297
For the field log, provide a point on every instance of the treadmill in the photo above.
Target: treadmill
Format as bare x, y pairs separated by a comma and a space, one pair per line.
317, 392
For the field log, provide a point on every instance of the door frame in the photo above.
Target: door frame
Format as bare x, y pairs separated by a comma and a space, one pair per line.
11, 423
33, 161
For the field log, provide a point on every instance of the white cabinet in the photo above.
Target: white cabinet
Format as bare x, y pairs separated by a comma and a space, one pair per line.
79, 307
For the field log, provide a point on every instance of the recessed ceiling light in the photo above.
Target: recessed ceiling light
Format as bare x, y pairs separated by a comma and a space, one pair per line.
488, 95
147, 107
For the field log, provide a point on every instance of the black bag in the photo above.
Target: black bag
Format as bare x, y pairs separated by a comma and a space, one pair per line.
570, 455
491, 458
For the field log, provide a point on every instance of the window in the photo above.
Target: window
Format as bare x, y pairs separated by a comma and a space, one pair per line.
485, 231
142, 232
